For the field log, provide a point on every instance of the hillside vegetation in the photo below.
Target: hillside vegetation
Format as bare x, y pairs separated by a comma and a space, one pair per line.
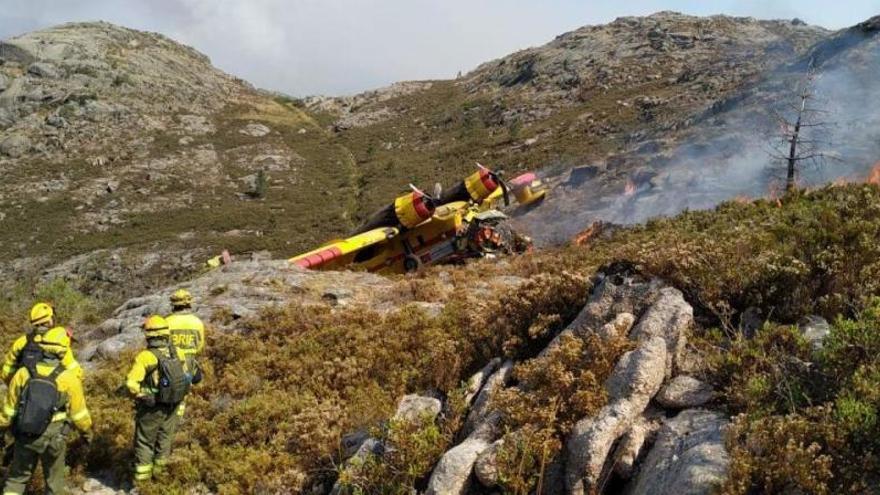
141, 160
290, 383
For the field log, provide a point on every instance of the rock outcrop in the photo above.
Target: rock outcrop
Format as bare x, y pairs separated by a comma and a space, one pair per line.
236, 291
683, 392
620, 439
639, 374
688, 457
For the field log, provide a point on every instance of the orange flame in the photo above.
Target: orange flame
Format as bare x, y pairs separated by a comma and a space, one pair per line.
874, 176
630, 188
775, 190
587, 235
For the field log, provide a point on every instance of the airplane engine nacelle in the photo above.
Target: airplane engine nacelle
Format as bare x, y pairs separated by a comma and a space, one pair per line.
528, 188
413, 208
480, 184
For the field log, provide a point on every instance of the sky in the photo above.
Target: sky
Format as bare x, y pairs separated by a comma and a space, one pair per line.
334, 47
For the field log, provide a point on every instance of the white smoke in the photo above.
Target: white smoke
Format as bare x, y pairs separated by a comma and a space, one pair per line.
726, 155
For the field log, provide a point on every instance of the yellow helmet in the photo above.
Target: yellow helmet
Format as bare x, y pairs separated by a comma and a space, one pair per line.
156, 326
56, 341
181, 297
42, 314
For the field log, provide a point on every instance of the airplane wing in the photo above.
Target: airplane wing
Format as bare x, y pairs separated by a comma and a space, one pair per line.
342, 247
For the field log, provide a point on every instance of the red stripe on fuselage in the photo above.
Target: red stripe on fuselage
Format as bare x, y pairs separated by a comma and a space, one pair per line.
319, 258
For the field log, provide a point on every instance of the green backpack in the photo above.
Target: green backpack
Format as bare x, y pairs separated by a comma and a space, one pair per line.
174, 382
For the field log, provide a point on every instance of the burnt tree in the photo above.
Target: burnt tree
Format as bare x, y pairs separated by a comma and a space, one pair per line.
802, 131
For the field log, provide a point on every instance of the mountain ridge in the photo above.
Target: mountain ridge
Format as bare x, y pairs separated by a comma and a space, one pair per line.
107, 171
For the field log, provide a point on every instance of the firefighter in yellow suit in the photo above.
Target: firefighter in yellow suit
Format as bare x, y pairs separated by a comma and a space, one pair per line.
155, 423
42, 318
50, 446
187, 330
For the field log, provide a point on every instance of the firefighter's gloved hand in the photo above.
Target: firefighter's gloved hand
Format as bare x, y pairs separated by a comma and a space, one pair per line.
146, 400
197, 377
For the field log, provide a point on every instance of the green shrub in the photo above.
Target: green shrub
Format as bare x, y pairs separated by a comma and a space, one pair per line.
283, 388
826, 439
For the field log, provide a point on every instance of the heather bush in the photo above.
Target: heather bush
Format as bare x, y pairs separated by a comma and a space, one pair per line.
811, 427
552, 393
282, 389
280, 392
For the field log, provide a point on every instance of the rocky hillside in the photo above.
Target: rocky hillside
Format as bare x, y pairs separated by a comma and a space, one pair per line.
592, 92
127, 159
728, 350
141, 160
728, 149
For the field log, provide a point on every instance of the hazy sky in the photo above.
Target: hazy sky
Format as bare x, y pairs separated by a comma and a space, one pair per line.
305, 47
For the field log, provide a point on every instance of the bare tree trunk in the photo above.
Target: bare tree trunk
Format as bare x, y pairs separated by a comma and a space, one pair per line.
790, 182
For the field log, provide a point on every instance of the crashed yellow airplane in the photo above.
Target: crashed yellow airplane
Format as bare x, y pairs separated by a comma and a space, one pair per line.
418, 229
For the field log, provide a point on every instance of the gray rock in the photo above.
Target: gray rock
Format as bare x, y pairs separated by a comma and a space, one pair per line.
432, 309
337, 296
670, 317
414, 408
114, 346
96, 111
238, 311
4, 83
638, 374
486, 465
688, 457
14, 93
196, 125
15, 146
56, 121
590, 442
814, 329
255, 130
632, 445
96, 486
684, 392
452, 475
44, 69
369, 447
109, 327
610, 298
635, 380
621, 325
477, 380
7, 117
480, 410
351, 442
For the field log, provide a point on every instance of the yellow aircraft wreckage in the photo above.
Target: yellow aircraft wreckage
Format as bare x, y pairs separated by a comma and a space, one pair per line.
418, 229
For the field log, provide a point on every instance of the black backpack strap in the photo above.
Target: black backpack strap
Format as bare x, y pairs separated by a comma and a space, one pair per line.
151, 380
57, 371
32, 369
29, 341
